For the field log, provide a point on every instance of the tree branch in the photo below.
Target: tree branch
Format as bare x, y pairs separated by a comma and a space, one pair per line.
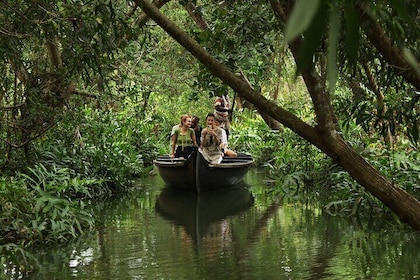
143, 18
29, 139
391, 54
223, 73
11, 108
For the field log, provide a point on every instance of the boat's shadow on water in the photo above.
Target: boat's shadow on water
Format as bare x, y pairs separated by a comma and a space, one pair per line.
196, 212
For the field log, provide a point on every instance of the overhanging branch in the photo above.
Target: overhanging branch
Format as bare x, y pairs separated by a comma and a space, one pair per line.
223, 73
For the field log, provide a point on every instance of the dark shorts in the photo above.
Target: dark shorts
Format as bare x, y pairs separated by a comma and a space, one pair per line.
184, 152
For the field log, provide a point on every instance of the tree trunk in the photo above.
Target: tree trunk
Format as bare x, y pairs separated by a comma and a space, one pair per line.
324, 136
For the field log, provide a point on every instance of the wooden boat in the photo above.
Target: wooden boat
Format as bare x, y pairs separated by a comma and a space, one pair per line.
198, 212
197, 175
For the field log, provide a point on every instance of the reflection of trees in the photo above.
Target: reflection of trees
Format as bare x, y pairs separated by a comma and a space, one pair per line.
241, 252
103, 259
329, 244
314, 230
299, 239
263, 220
123, 224
272, 240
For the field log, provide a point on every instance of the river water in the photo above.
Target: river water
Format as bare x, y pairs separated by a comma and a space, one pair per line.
249, 232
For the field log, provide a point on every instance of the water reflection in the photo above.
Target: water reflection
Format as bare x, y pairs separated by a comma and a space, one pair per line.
246, 233
198, 212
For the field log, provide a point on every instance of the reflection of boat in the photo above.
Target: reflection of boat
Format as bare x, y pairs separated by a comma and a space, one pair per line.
196, 174
196, 212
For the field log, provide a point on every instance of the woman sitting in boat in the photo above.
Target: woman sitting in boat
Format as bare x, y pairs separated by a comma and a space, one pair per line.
183, 139
211, 140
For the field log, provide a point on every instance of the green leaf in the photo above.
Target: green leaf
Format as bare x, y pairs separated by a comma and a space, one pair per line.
47, 208
313, 36
301, 17
398, 5
54, 225
333, 38
351, 33
412, 60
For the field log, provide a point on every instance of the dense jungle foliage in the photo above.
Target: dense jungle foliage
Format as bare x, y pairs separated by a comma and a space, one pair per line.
86, 124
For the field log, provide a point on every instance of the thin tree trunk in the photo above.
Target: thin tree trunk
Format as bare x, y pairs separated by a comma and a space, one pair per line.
195, 14
272, 123
380, 99
324, 136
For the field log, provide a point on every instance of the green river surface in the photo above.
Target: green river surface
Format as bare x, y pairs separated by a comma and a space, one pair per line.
248, 232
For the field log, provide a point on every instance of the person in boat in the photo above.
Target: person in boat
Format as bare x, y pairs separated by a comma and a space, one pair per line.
177, 126
221, 112
197, 129
183, 139
211, 139
174, 128
224, 145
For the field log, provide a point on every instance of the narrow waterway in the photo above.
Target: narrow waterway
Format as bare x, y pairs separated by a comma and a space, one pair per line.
247, 233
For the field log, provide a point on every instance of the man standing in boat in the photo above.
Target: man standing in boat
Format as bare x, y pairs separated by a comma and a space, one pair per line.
221, 112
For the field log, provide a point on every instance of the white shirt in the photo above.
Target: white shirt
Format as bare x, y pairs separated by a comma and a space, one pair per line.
224, 138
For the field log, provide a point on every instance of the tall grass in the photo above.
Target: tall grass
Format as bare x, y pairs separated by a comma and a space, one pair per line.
38, 210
